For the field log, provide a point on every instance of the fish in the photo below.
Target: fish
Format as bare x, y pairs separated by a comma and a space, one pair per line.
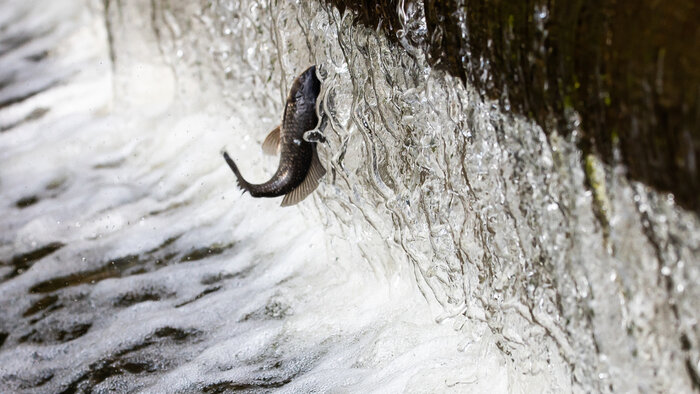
299, 169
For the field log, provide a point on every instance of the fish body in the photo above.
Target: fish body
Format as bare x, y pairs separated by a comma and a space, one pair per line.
299, 169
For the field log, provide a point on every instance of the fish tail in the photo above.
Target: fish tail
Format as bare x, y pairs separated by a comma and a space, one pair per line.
242, 183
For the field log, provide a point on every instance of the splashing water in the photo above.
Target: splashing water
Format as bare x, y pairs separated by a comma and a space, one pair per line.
451, 246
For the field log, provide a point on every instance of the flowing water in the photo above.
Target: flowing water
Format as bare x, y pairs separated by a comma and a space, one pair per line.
451, 246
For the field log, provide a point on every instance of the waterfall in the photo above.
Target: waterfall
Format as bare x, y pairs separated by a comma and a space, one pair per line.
453, 244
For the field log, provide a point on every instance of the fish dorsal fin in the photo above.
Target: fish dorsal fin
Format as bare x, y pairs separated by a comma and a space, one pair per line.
271, 145
310, 183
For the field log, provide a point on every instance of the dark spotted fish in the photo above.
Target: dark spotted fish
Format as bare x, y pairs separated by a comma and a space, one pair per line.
299, 169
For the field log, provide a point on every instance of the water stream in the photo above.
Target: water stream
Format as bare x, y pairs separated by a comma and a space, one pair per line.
452, 246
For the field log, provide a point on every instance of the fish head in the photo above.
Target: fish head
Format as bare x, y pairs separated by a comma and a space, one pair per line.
305, 90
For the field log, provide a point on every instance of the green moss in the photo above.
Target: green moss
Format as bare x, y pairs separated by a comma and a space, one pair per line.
595, 175
614, 137
568, 102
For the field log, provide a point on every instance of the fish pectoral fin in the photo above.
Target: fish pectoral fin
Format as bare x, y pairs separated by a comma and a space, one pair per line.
271, 145
310, 183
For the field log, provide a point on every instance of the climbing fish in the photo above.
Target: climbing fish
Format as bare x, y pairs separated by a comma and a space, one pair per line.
299, 168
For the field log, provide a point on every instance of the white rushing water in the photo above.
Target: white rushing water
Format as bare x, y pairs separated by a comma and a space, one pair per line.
451, 247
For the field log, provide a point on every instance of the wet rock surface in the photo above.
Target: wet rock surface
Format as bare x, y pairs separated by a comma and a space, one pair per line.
629, 70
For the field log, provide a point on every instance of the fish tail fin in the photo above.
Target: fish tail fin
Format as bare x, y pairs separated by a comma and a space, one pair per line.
242, 183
